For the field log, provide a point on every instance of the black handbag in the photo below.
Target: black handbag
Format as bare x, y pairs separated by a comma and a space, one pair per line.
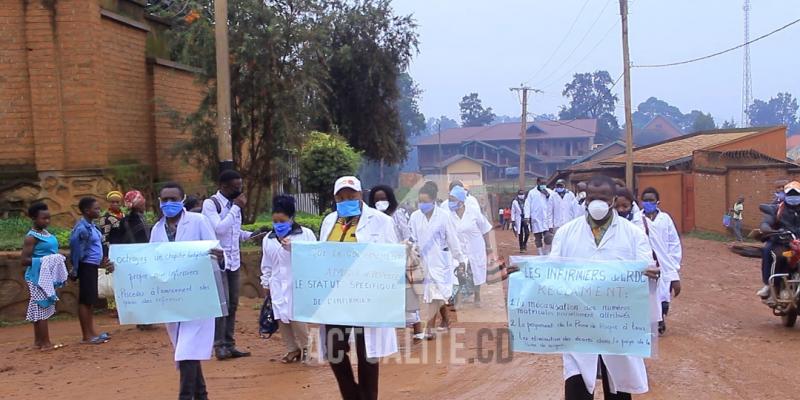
267, 325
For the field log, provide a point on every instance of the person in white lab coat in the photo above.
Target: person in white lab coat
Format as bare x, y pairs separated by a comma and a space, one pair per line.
276, 275
354, 221
621, 185
473, 229
666, 244
383, 199
564, 205
603, 235
518, 219
624, 207
471, 201
539, 213
193, 340
433, 230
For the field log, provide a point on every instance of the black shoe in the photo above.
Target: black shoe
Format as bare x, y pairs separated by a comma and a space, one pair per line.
662, 327
223, 353
238, 354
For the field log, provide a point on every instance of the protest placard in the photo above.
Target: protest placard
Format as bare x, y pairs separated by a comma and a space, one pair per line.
354, 284
165, 282
558, 305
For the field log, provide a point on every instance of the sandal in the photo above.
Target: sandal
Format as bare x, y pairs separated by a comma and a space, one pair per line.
292, 357
95, 340
104, 335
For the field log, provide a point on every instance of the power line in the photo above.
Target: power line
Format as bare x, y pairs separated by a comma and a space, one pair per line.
574, 67
564, 39
717, 53
580, 42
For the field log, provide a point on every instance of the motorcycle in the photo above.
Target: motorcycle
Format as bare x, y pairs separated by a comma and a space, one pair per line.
784, 287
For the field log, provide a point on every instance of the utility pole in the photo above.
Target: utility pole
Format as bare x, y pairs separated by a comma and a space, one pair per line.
523, 128
439, 128
623, 10
224, 146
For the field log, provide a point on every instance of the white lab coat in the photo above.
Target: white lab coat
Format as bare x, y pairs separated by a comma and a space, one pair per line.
539, 208
440, 248
666, 244
276, 271
470, 228
192, 340
622, 241
373, 227
516, 215
564, 208
470, 202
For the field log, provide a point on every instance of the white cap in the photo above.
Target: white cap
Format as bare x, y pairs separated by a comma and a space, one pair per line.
347, 182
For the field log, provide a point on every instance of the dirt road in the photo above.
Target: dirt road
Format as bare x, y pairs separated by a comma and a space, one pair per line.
721, 344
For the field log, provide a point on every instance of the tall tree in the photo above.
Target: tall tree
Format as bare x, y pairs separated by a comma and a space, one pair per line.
728, 124
434, 124
473, 113
366, 49
652, 107
701, 121
412, 120
324, 159
779, 110
590, 96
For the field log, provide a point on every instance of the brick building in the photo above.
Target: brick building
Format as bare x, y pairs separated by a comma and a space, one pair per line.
699, 176
550, 145
82, 95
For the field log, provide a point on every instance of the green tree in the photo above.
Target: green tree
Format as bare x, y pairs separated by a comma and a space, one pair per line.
590, 96
433, 125
323, 159
701, 121
728, 124
411, 119
473, 113
779, 110
652, 107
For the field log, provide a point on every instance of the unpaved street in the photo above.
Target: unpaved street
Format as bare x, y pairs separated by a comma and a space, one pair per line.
721, 344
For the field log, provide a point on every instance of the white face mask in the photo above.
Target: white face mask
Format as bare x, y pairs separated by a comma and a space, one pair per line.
382, 205
598, 209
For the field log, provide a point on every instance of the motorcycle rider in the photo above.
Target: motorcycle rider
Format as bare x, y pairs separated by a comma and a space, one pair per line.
784, 215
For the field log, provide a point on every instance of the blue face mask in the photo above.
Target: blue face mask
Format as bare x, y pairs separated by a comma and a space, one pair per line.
780, 196
454, 205
792, 200
171, 208
650, 207
348, 208
282, 228
561, 190
426, 207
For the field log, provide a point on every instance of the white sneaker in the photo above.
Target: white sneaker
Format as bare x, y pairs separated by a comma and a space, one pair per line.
764, 292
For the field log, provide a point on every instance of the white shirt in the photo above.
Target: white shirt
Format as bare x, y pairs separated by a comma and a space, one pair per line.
192, 340
373, 227
666, 243
517, 215
228, 227
470, 228
539, 208
276, 271
439, 248
563, 208
622, 241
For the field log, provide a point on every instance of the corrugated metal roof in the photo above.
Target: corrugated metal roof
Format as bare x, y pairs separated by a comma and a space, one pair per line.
510, 131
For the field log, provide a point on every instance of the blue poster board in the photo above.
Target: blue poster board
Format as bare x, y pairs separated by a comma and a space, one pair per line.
353, 284
560, 305
165, 282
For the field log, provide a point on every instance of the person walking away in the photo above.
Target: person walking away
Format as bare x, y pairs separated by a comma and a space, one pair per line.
276, 275
663, 236
434, 231
383, 199
564, 204
224, 212
354, 221
520, 220
45, 271
86, 255
737, 210
784, 216
538, 209
603, 235
192, 340
473, 230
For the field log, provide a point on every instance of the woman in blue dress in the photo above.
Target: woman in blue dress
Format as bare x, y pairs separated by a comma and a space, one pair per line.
38, 244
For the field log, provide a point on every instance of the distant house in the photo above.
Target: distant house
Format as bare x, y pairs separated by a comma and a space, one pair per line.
603, 151
550, 145
793, 147
659, 128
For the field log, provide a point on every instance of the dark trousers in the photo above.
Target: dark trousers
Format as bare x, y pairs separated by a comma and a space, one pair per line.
193, 385
575, 388
337, 348
523, 235
766, 262
223, 331
538, 240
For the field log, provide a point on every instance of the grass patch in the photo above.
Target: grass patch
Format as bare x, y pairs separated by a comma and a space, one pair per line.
713, 236
13, 230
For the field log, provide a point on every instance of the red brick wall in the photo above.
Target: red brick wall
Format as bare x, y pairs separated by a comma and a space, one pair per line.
709, 202
125, 94
772, 143
670, 189
178, 90
757, 187
16, 131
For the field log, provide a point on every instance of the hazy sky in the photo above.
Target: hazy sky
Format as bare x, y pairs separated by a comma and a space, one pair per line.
488, 46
